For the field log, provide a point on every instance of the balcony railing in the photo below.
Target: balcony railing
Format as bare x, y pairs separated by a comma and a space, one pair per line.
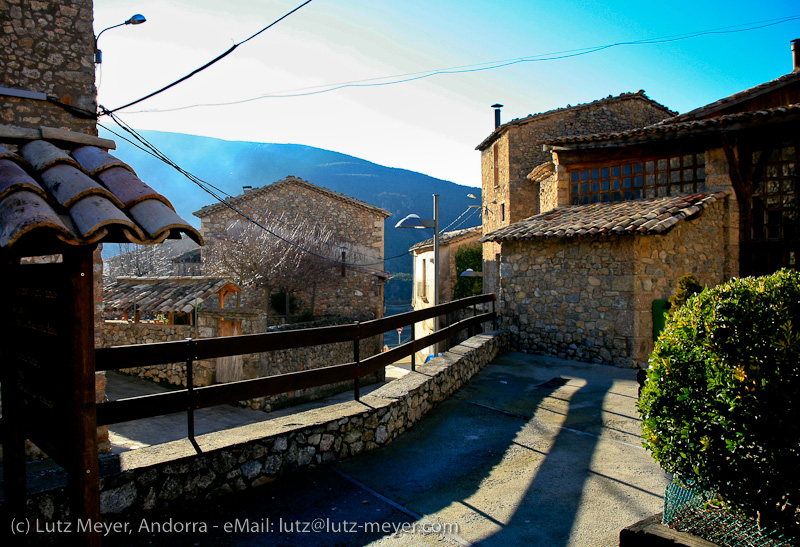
189, 351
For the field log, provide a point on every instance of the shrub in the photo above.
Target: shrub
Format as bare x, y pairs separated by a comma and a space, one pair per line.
468, 256
687, 288
721, 405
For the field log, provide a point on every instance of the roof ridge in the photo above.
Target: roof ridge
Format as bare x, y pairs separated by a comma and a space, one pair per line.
597, 102
289, 179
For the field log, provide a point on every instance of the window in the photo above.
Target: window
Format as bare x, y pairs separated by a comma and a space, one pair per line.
645, 178
502, 212
773, 203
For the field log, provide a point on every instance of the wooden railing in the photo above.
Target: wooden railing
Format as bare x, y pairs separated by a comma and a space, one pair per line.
189, 351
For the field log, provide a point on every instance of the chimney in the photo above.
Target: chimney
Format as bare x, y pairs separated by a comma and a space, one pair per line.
497, 108
246, 189
796, 55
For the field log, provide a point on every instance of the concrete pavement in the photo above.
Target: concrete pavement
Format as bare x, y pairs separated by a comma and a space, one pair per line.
533, 451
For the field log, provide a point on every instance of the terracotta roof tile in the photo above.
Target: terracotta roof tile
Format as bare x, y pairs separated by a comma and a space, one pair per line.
731, 100
644, 216
49, 196
669, 128
162, 294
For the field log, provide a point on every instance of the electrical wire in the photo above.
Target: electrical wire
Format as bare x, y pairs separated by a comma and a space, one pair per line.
212, 61
144, 145
467, 210
490, 65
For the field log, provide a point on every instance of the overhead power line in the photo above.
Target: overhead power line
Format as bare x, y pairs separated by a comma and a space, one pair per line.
146, 146
478, 67
211, 62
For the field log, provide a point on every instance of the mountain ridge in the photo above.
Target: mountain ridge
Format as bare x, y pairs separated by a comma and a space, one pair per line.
230, 165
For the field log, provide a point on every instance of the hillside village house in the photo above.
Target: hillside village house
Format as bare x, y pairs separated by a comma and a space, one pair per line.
623, 215
356, 229
62, 195
515, 148
424, 271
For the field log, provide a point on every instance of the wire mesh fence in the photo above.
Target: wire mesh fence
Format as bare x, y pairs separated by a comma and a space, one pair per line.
693, 512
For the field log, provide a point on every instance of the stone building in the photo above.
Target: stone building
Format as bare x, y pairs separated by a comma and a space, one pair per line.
712, 192
62, 195
515, 148
355, 229
424, 270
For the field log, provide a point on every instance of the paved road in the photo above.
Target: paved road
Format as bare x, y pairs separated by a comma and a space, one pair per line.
533, 451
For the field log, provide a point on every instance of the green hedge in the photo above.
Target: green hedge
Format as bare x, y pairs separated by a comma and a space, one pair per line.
721, 405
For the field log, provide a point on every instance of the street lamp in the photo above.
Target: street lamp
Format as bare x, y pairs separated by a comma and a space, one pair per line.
413, 221
137, 19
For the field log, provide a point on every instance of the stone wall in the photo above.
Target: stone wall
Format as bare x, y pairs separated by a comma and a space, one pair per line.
706, 247
570, 298
164, 477
47, 46
591, 299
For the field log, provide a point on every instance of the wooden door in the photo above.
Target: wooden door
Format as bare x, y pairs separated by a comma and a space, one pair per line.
229, 369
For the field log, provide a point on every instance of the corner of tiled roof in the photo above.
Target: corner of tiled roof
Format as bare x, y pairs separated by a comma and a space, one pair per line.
635, 217
541, 172
447, 238
730, 100
52, 194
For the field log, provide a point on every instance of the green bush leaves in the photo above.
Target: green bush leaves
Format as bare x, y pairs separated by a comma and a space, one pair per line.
721, 405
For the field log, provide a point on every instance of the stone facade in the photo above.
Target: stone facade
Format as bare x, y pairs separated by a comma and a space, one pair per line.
160, 478
354, 224
47, 46
514, 149
590, 298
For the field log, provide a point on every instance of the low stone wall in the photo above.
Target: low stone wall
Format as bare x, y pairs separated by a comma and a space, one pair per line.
167, 476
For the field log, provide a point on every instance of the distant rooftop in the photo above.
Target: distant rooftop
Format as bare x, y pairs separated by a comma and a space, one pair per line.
290, 180
639, 95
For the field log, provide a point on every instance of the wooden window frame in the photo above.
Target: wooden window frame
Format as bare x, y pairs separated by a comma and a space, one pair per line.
647, 177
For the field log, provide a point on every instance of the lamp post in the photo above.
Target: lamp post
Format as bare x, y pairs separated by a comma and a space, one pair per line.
137, 19
413, 221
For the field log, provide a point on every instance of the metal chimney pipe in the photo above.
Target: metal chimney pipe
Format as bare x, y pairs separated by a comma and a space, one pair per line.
796, 55
497, 108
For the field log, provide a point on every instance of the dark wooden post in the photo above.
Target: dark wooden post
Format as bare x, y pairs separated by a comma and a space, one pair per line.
83, 473
14, 475
357, 359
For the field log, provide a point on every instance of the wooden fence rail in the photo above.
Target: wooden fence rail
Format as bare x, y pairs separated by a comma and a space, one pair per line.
188, 351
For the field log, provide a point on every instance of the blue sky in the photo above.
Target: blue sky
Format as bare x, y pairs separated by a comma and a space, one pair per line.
431, 125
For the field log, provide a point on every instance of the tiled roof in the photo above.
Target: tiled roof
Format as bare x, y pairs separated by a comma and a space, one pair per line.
216, 207
667, 129
541, 172
732, 100
594, 104
162, 294
79, 195
645, 216
446, 238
